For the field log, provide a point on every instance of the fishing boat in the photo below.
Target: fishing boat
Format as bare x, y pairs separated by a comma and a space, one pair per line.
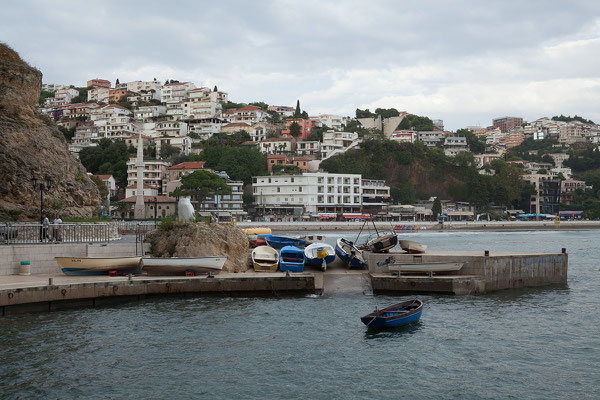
291, 258
181, 265
413, 247
347, 251
319, 254
253, 233
394, 316
383, 243
265, 259
429, 267
281, 241
98, 265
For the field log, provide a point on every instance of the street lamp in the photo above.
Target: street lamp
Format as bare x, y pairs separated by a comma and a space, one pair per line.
43, 186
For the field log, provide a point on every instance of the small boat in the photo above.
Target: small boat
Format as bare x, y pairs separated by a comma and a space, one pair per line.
413, 247
253, 233
265, 259
180, 265
426, 267
319, 254
281, 241
347, 251
394, 316
291, 258
261, 239
98, 265
383, 243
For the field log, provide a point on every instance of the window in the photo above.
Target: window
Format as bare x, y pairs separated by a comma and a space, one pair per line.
320, 189
299, 188
278, 190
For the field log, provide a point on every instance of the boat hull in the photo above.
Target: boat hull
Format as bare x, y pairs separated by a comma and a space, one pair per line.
383, 243
346, 251
279, 242
413, 247
310, 253
394, 316
83, 266
180, 265
291, 258
265, 259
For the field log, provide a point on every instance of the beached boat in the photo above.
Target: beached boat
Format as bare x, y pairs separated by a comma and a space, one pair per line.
426, 267
319, 254
98, 265
181, 265
413, 247
394, 316
347, 251
253, 234
291, 258
383, 243
281, 241
261, 239
265, 259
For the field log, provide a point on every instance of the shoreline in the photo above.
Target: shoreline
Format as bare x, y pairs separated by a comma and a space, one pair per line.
493, 226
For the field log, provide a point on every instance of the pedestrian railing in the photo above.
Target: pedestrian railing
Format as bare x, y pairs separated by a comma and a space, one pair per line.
65, 233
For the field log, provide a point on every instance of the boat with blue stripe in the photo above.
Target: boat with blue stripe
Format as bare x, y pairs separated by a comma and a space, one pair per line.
279, 242
394, 316
319, 254
348, 252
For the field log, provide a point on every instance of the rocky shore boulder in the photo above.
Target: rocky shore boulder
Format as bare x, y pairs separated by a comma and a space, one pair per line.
31, 144
202, 239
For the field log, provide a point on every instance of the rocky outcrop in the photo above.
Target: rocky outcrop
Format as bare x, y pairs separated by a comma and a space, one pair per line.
202, 239
31, 144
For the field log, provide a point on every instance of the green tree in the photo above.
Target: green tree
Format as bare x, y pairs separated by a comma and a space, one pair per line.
364, 113
297, 113
286, 169
476, 145
215, 89
201, 183
117, 82
295, 129
44, 95
240, 162
436, 209
416, 123
107, 158
82, 96
67, 132
168, 151
260, 104
101, 186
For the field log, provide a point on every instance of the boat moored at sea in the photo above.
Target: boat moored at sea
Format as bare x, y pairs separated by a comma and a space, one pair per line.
279, 242
394, 316
265, 259
413, 247
181, 265
347, 251
98, 265
319, 254
291, 258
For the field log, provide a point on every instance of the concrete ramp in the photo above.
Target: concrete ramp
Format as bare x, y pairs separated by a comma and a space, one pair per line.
346, 283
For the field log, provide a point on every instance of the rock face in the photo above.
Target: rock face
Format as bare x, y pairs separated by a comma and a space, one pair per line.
202, 239
31, 144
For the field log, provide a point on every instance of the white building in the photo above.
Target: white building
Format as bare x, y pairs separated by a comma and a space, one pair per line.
307, 193
65, 95
404, 136
53, 87
454, 145
283, 111
375, 193
337, 142
277, 145
108, 111
154, 172
99, 94
145, 112
139, 86
247, 114
204, 128
175, 91
308, 148
335, 122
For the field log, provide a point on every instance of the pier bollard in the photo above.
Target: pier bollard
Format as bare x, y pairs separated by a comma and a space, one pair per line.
486, 253
130, 277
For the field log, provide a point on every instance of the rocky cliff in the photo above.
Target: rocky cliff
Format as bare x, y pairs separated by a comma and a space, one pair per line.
31, 144
202, 239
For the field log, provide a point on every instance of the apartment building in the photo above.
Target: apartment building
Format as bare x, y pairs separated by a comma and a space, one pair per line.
98, 83
145, 112
306, 126
404, 136
335, 122
546, 199
375, 194
337, 142
507, 124
283, 111
175, 92
247, 114
204, 128
154, 172
99, 94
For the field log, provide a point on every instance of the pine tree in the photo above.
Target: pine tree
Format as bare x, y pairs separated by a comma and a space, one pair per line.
436, 209
297, 113
215, 89
117, 82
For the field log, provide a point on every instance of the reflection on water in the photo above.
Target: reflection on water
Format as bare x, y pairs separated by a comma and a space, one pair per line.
531, 343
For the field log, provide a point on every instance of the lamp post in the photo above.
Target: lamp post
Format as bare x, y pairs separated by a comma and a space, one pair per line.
155, 201
43, 186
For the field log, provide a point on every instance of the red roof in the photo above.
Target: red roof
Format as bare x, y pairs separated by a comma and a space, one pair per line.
247, 108
176, 83
276, 156
104, 177
150, 199
238, 124
189, 165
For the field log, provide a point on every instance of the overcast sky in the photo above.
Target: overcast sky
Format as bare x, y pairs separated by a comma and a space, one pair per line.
465, 62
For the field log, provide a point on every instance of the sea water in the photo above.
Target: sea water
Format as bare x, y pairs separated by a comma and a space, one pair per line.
538, 343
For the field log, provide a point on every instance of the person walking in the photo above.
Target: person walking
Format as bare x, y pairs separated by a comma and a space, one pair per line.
57, 228
45, 228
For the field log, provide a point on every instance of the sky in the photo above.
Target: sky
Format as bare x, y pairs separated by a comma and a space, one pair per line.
465, 62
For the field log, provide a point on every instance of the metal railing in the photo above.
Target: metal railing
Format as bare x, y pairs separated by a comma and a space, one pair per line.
66, 233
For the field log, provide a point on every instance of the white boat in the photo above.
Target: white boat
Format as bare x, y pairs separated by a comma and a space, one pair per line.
383, 243
413, 247
350, 254
429, 267
180, 265
265, 259
319, 254
97, 265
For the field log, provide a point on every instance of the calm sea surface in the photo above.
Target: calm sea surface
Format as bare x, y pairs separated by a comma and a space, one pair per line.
532, 343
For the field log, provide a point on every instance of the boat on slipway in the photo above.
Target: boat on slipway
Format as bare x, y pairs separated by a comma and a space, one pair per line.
291, 258
265, 259
382, 243
413, 247
395, 315
279, 242
319, 254
347, 251
79, 266
181, 265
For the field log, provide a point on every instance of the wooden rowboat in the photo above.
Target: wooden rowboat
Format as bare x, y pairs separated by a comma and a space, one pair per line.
413, 247
98, 265
347, 251
394, 316
265, 259
180, 265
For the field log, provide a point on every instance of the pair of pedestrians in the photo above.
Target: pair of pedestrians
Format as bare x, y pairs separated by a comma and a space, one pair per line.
55, 235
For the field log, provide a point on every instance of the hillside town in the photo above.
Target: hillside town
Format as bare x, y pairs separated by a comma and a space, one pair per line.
180, 127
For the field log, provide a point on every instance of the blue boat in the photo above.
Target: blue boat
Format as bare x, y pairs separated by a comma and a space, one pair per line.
282, 241
347, 251
394, 316
319, 254
291, 258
